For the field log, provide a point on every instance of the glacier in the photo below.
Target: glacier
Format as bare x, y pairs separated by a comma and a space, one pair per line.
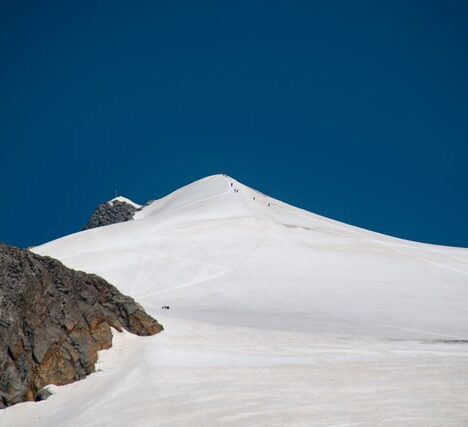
277, 317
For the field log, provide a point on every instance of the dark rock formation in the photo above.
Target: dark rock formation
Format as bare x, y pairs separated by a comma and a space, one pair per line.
111, 213
53, 321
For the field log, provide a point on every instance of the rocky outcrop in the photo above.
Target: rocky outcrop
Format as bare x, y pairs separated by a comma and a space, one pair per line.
53, 321
111, 212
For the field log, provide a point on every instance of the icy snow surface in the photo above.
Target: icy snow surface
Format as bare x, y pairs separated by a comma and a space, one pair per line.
278, 317
125, 200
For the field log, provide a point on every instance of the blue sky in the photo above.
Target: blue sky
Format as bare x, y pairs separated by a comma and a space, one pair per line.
354, 110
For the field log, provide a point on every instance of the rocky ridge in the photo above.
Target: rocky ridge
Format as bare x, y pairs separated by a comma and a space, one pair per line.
111, 212
53, 321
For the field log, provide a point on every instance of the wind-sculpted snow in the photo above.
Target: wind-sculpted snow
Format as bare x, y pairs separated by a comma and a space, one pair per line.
277, 317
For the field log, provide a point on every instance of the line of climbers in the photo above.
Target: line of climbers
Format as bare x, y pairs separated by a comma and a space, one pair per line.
236, 191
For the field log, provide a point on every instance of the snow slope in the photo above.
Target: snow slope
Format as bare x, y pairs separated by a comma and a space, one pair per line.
278, 317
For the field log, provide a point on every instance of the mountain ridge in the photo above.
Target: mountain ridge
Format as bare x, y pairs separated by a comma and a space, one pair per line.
217, 213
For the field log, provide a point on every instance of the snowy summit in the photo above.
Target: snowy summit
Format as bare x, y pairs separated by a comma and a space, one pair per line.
276, 316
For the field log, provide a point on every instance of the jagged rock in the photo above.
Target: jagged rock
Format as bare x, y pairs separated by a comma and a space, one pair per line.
42, 394
53, 321
111, 212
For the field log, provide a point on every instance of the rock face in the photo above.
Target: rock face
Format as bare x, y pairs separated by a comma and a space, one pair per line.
111, 213
53, 321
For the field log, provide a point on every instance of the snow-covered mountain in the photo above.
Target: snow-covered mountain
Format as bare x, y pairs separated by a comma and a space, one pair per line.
277, 317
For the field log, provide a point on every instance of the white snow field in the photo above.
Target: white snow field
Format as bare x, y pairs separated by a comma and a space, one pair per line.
278, 317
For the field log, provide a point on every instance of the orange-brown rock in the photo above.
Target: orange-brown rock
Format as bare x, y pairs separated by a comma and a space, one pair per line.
53, 321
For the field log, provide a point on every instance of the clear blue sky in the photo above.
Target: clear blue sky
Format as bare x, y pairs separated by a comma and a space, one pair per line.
354, 110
